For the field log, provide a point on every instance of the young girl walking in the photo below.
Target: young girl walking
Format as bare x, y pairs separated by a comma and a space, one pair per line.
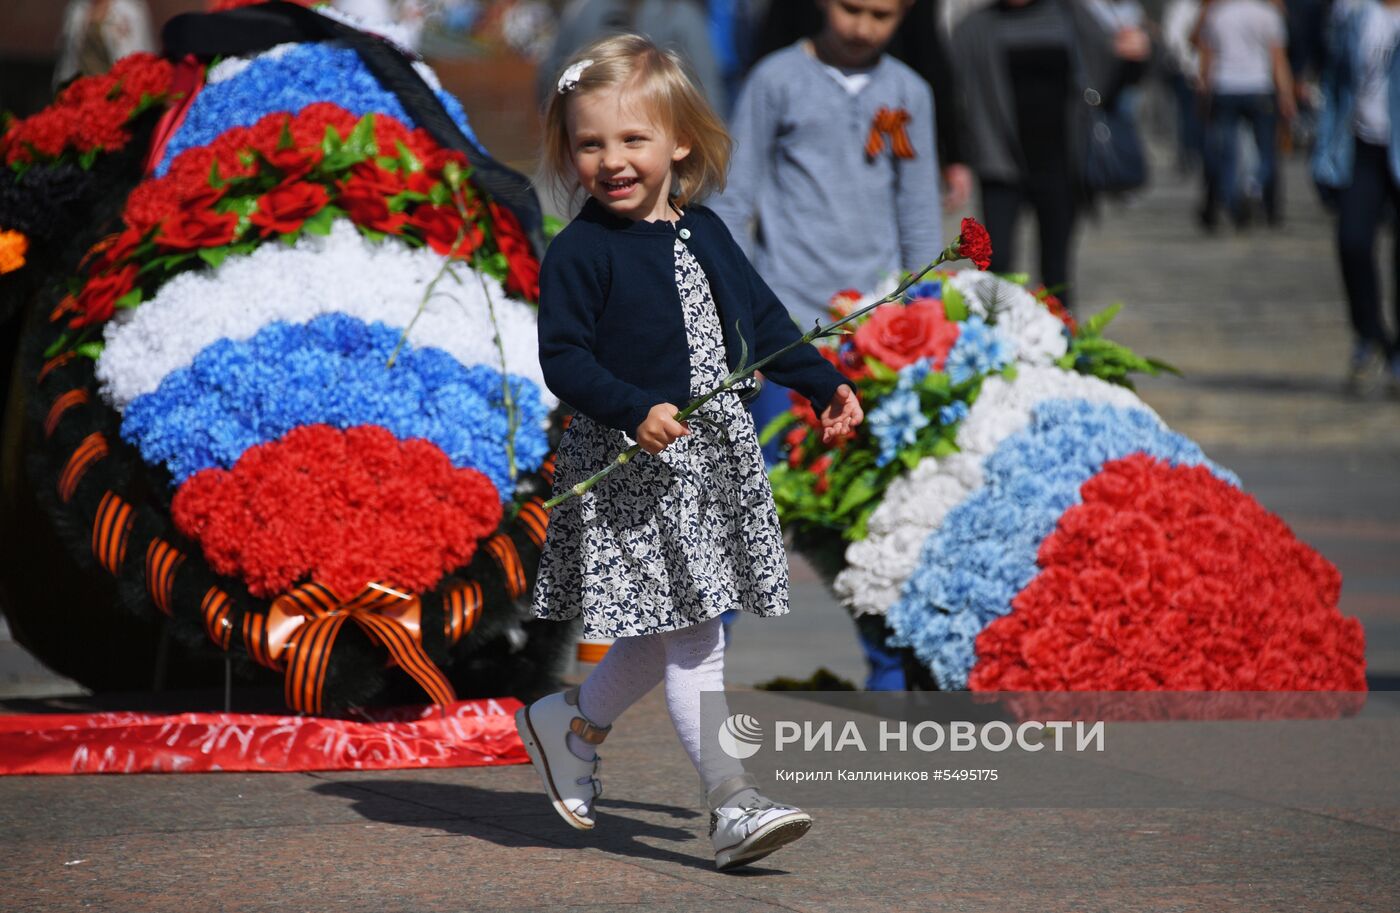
646, 302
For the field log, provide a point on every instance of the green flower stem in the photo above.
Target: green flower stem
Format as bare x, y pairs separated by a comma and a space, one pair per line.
745, 370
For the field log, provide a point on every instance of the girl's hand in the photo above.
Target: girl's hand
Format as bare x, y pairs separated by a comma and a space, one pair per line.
841, 415
660, 428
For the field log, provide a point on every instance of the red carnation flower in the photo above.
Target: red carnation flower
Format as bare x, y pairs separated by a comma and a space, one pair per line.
285, 207
195, 229
975, 244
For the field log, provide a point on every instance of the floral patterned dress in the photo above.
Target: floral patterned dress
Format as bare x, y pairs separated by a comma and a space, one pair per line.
670, 540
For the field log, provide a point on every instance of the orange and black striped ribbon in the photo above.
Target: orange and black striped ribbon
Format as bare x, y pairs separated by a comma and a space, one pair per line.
92, 449
110, 530
508, 559
255, 639
461, 609
215, 609
62, 404
309, 653
547, 468
889, 123
162, 561
535, 518
56, 362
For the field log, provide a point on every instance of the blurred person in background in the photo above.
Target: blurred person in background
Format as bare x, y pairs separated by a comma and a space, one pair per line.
1023, 65
1356, 162
678, 25
97, 33
834, 185
407, 16
1245, 71
1183, 62
921, 43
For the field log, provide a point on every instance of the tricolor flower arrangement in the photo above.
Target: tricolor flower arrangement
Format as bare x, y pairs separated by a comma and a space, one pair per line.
298, 386
1025, 522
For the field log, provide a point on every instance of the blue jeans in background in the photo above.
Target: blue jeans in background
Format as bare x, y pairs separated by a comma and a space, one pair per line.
1227, 111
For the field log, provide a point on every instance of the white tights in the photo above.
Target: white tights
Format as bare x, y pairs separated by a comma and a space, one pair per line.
691, 660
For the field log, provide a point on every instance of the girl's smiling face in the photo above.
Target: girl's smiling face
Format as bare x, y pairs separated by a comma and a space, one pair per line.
623, 157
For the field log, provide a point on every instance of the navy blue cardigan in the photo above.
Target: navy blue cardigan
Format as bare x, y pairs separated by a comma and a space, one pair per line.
612, 333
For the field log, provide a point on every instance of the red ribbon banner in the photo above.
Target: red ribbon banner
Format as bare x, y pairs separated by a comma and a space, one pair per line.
476, 733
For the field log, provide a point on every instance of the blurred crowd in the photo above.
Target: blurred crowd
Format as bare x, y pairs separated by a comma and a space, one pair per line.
1036, 102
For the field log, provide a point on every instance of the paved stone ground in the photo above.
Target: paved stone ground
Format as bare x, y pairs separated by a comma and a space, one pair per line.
1258, 324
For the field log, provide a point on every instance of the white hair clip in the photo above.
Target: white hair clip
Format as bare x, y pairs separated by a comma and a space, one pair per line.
569, 81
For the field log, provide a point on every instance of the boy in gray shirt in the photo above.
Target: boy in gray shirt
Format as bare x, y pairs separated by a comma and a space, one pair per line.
834, 180
834, 185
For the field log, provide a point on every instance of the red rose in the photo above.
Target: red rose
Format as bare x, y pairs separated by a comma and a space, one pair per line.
113, 249
97, 301
195, 229
523, 270
441, 225
975, 244
370, 176
285, 207
901, 335
367, 207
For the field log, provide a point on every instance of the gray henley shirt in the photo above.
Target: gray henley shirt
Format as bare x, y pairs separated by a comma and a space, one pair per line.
813, 212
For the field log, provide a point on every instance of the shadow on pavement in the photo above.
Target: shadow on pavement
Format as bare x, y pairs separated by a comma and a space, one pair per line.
510, 819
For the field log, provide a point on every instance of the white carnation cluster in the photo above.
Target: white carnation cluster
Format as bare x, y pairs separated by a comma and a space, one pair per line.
1038, 334
915, 504
340, 273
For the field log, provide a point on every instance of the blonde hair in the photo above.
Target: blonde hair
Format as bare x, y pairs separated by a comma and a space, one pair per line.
631, 63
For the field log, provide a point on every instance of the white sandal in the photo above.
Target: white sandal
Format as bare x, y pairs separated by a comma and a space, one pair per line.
570, 781
753, 828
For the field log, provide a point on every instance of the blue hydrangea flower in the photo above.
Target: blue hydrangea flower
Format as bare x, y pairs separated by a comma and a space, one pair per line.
333, 370
895, 423
929, 288
913, 374
301, 77
984, 553
980, 349
952, 413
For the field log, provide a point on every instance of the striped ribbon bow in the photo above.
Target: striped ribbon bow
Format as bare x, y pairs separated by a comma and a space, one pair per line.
889, 122
301, 630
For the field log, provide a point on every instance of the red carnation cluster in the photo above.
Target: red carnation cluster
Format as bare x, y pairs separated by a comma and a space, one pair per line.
340, 507
91, 114
196, 205
1169, 579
